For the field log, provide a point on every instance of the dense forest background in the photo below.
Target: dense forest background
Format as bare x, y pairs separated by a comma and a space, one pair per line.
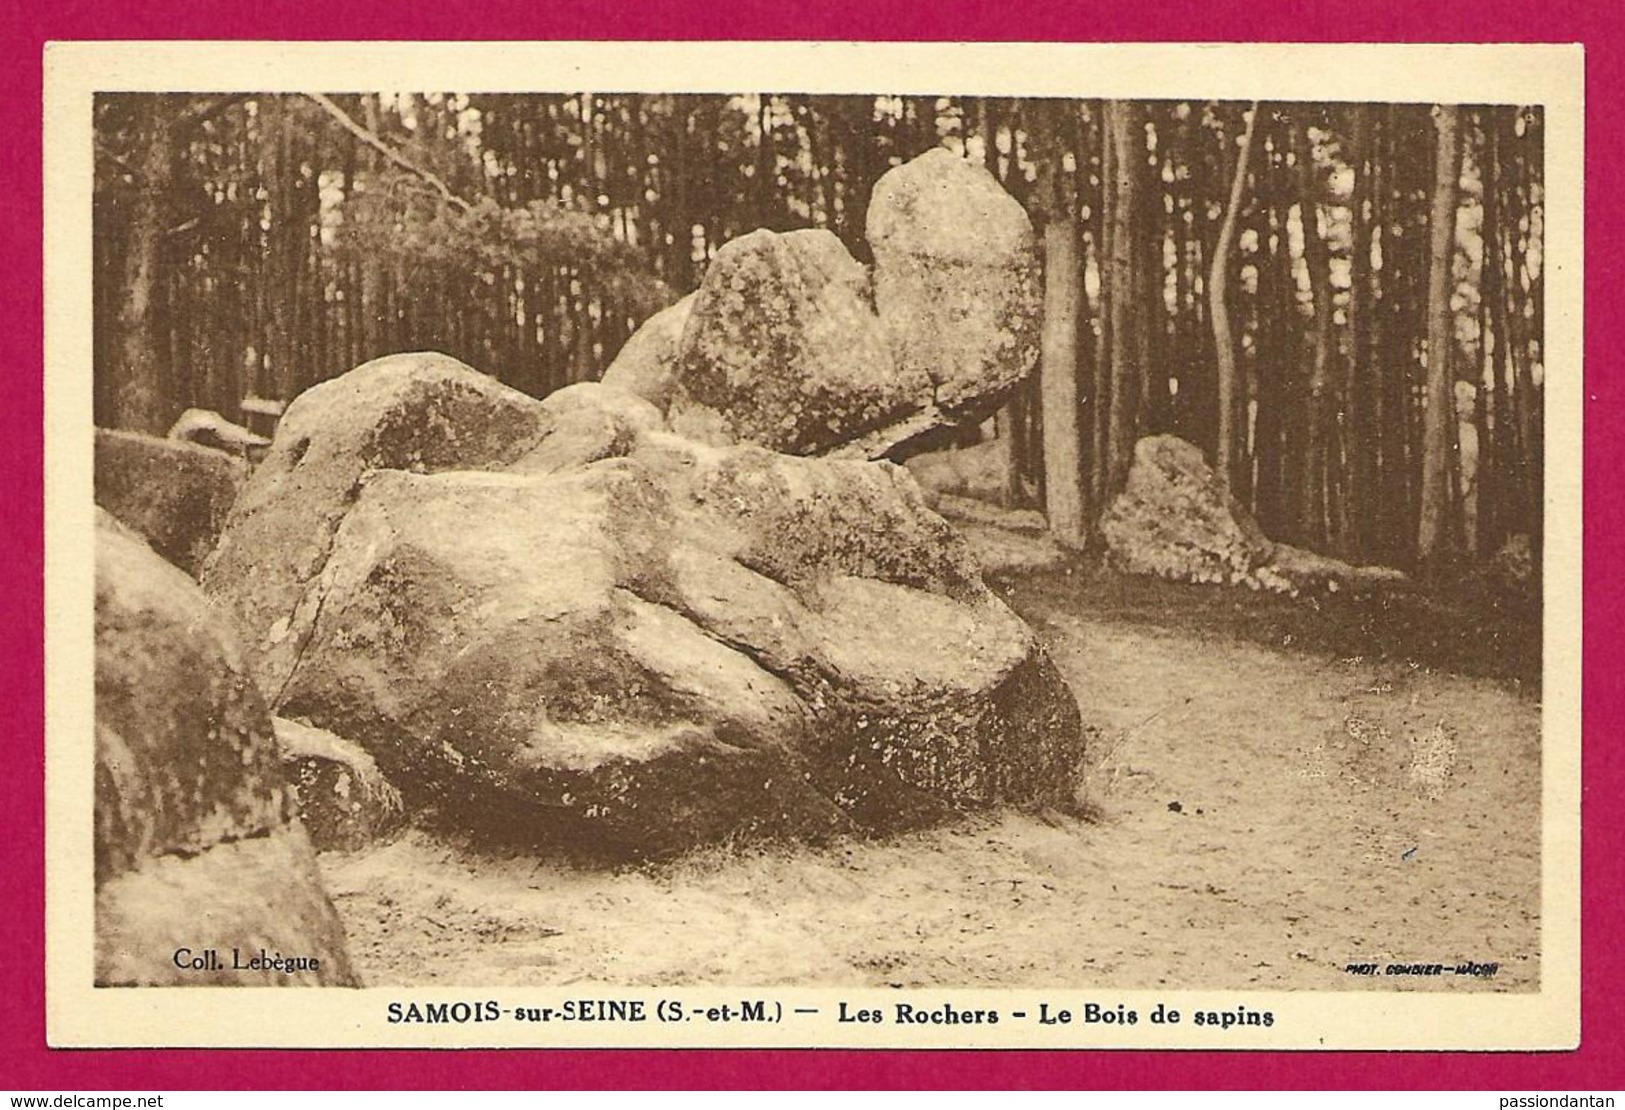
1341, 304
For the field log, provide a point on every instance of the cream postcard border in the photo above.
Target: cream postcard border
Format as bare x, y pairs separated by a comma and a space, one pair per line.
78, 1014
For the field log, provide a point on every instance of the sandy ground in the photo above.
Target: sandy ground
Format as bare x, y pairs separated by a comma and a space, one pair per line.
1258, 818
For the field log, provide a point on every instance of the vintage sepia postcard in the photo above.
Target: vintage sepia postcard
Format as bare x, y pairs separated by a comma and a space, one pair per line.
813, 545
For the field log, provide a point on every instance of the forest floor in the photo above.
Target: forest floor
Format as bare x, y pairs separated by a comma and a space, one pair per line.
1281, 788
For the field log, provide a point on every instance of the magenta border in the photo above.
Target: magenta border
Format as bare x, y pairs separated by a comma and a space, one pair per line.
26, 1062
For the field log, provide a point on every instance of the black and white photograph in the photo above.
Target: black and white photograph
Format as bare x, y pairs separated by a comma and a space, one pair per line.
993, 554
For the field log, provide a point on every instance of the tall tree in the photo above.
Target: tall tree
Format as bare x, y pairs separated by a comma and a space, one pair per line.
1359, 393
139, 402
1317, 260
1218, 288
1064, 500
1436, 536
1125, 134
1495, 447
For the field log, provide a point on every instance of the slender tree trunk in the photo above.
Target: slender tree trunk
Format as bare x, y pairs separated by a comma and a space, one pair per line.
1493, 452
824, 208
138, 399
988, 125
1065, 502
1124, 125
1435, 536
1272, 364
373, 342
1100, 391
1184, 361
1358, 391
1218, 289
1148, 287
1317, 258
1481, 492
1210, 178
1525, 401
682, 218
767, 160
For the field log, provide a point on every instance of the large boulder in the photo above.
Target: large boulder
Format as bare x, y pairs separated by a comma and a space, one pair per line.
782, 349
175, 494
670, 644
1174, 520
956, 281
790, 344
417, 412
195, 846
647, 362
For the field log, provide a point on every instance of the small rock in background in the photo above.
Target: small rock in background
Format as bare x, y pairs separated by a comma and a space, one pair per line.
175, 495
1174, 520
207, 428
343, 799
1002, 541
980, 471
1301, 570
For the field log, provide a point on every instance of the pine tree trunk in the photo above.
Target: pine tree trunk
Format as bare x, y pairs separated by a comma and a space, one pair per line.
138, 401
1100, 392
1313, 523
1127, 139
1218, 289
1435, 536
1493, 448
1148, 291
1064, 501
1357, 401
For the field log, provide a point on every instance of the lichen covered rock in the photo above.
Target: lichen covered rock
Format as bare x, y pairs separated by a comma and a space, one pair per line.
415, 412
956, 281
584, 423
980, 471
343, 799
782, 349
207, 428
790, 344
671, 645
